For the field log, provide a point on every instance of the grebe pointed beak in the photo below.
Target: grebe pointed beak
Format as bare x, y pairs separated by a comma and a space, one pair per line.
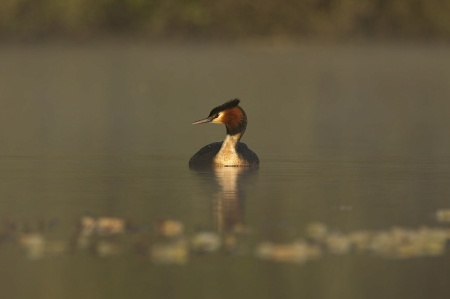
203, 121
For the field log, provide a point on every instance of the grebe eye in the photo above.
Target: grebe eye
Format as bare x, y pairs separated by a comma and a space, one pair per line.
217, 115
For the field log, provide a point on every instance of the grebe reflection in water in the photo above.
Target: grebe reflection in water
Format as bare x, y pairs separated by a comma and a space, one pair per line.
226, 188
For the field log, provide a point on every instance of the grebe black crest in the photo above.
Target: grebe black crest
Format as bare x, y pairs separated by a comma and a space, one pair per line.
230, 152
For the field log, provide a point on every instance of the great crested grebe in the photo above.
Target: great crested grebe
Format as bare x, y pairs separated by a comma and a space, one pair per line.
230, 152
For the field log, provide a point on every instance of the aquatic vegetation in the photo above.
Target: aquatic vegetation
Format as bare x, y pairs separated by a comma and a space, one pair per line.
316, 231
360, 240
296, 252
89, 227
36, 246
33, 244
443, 215
176, 252
338, 243
398, 243
105, 248
169, 228
205, 242
110, 226
103, 226
170, 244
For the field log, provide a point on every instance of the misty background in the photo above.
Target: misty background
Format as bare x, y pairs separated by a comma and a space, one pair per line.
347, 103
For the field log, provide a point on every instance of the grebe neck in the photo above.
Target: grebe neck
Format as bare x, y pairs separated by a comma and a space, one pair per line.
231, 142
228, 154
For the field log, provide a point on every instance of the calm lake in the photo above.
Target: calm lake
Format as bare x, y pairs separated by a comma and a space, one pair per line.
351, 199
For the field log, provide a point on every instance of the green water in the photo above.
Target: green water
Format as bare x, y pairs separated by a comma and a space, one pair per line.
353, 137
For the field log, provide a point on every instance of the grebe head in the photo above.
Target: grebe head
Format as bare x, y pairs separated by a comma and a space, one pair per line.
229, 114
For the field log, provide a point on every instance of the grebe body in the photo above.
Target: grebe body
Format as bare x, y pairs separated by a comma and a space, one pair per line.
230, 152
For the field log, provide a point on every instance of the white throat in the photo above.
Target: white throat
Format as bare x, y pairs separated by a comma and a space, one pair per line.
227, 155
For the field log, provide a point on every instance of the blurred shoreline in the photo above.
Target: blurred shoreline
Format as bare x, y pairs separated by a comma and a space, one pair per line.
264, 44
229, 21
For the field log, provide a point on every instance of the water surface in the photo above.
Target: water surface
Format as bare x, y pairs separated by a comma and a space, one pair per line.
354, 138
